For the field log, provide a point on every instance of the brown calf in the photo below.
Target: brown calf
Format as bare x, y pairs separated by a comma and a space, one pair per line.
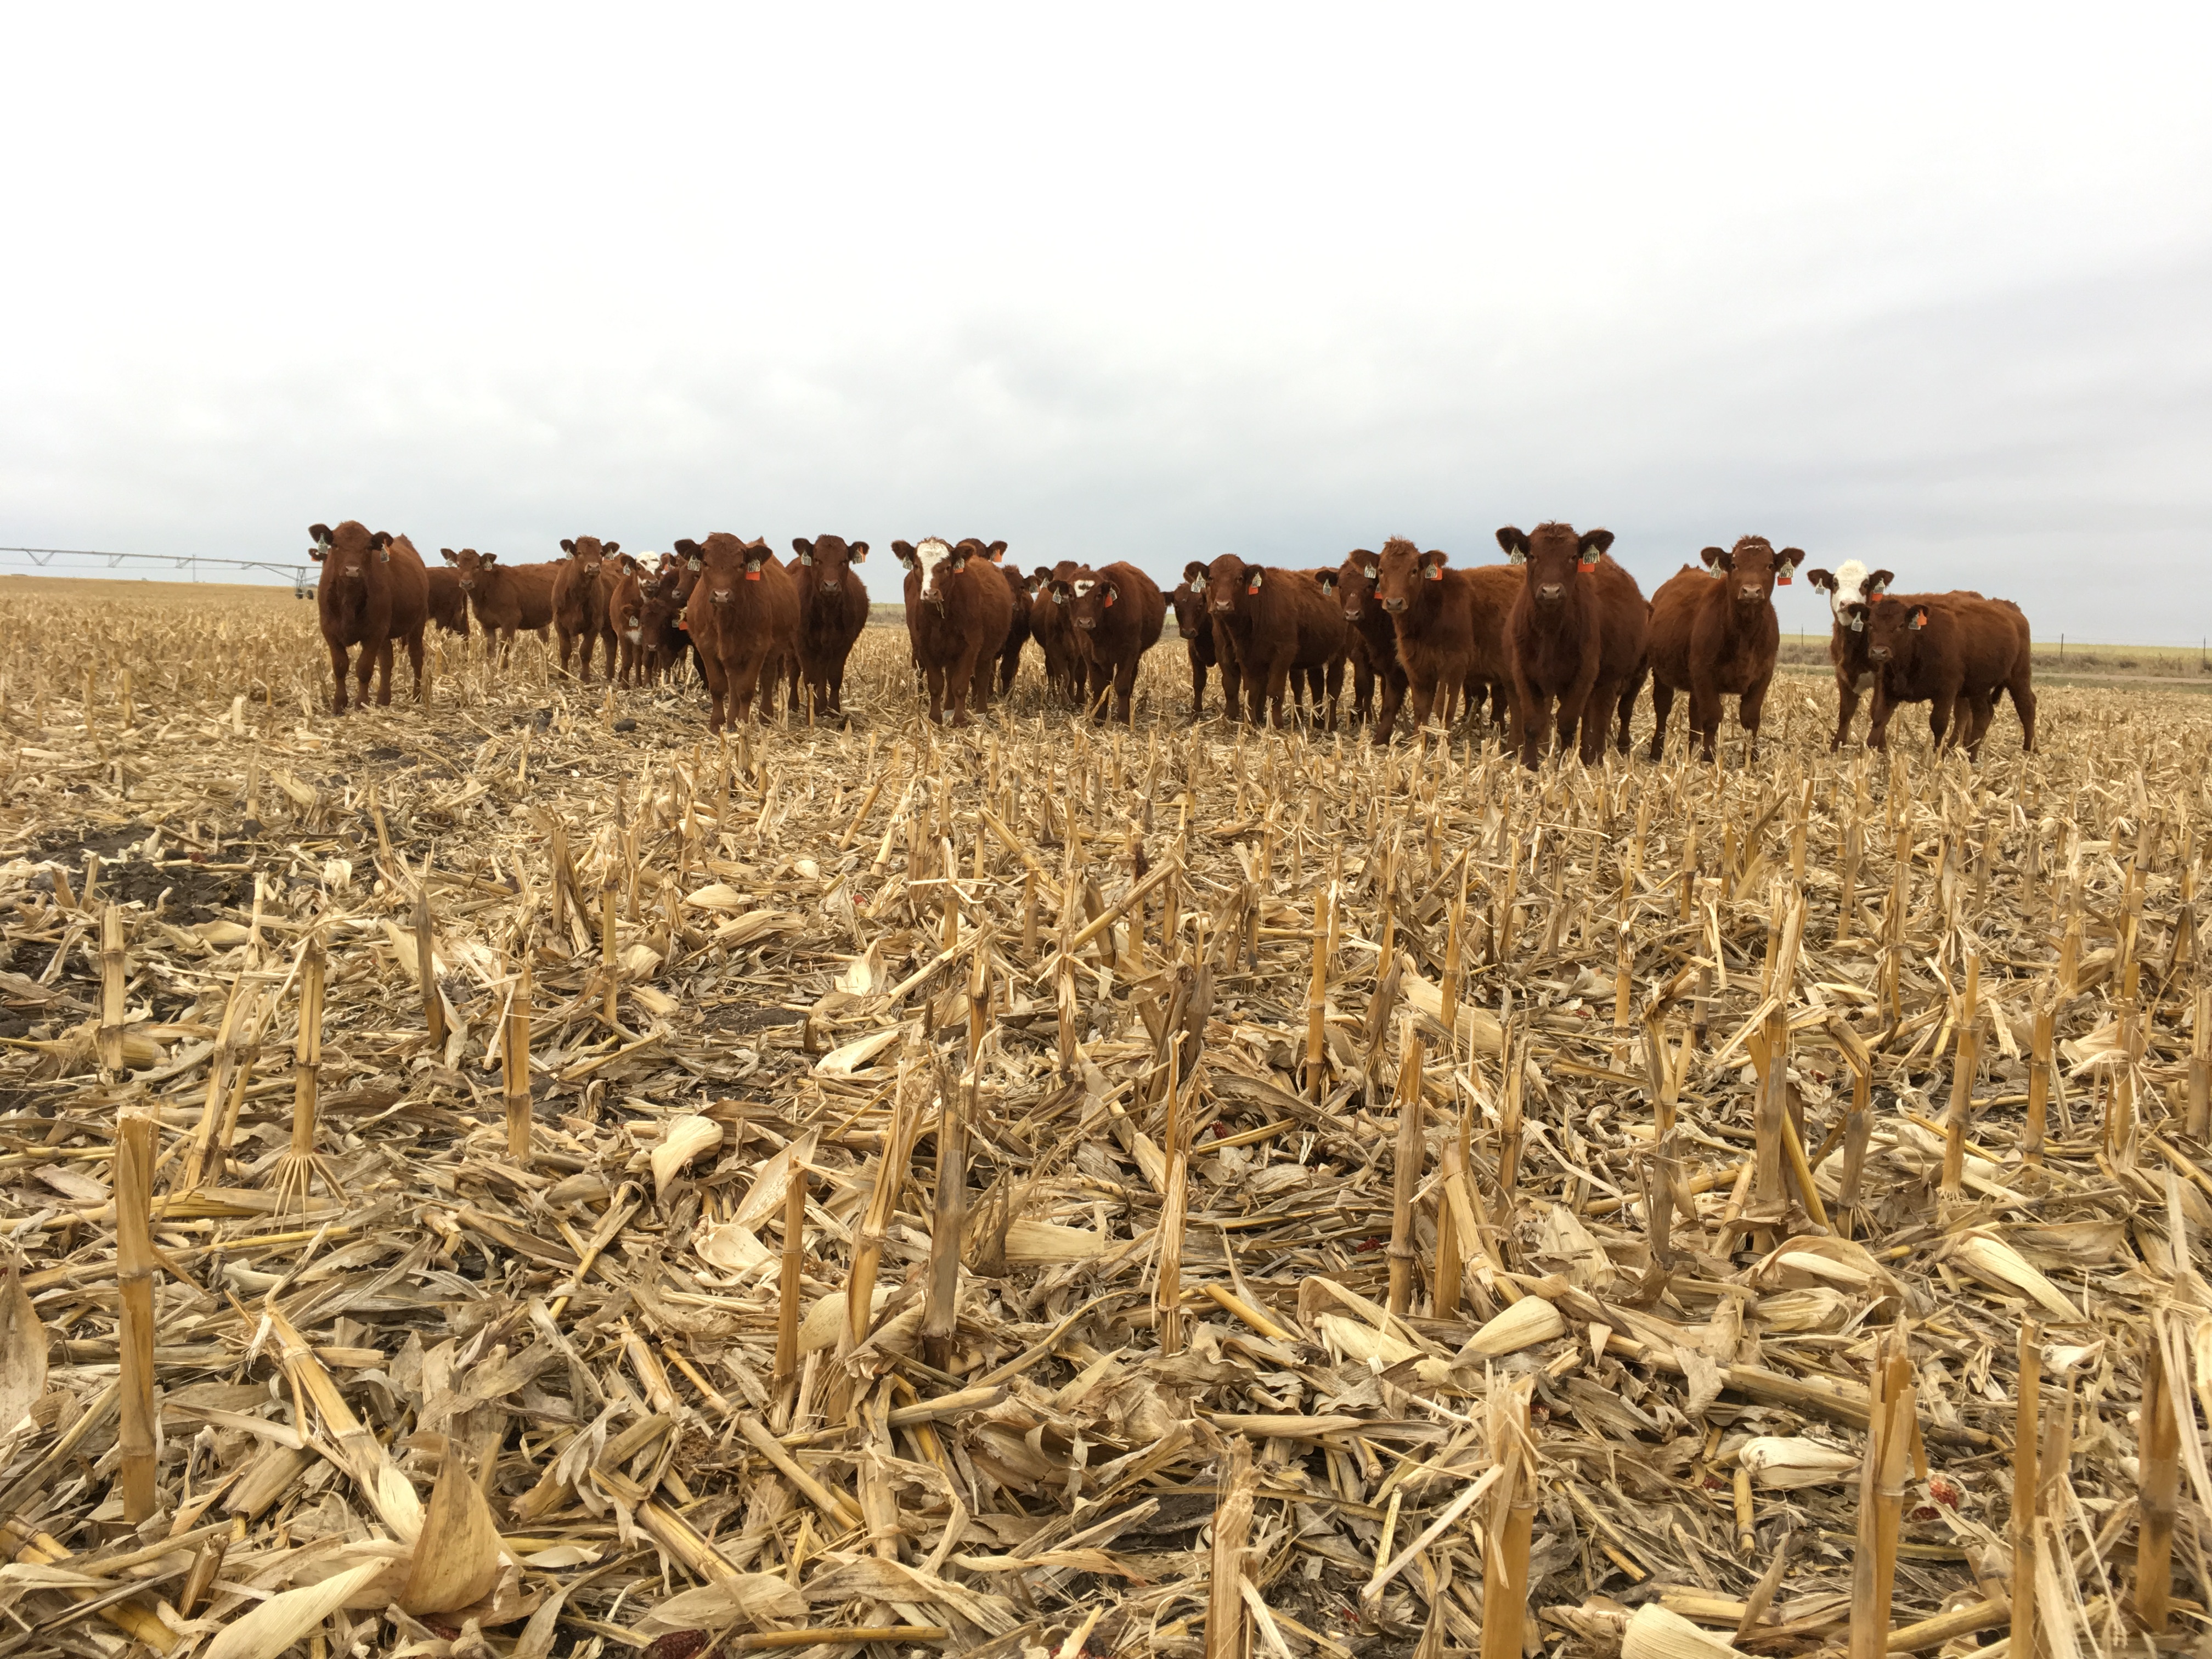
743, 617
1117, 614
1055, 635
625, 580
1449, 626
504, 597
959, 611
1577, 634
833, 609
582, 584
448, 605
1371, 642
1271, 622
374, 592
667, 641
1943, 651
1195, 629
1715, 635
1017, 631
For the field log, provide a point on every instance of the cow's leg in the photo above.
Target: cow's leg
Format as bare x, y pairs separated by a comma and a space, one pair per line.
1595, 726
1629, 693
1749, 710
1847, 708
1393, 699
1197, 688
1279, 689
1332, 677
1938, 719
339, 669
1362, 688
1878, 716
1424, 700
1663, 710
383, 659
962, 679
414, 658
1536, 724
2023, 704
1705, 714
567, 644
934, 679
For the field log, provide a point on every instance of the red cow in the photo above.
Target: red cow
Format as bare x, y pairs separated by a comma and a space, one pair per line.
833, 609
667, 641
742, 617
1944, 650
1054, 634
1017, 631
1449, 627
1371, 643
1715, 635
624, 579
582, 584
1577, 634
505, 597
959, 613
374, 592
1196, 628
1117, 614
1271, 623
448, 605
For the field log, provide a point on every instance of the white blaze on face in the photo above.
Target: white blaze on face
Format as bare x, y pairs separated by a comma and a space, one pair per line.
1850, 577
928, 554
1082, 587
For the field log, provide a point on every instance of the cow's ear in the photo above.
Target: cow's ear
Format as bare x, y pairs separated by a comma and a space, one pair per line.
1194, 572
957, 561
1878, 581
1714, 556
1823, 580
803, 548
1593, 543
1109, 594
1919, 618
381, 539
320, 534
1060, 593
446, 554
1515, 545
1792, 557
489, 558
1327, 580
857, 552
317, 552
567, 545
997, 550
1435, 558
610, 548
1854, 616
904, 550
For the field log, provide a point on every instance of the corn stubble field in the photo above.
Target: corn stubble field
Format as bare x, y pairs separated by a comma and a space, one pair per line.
1038, 1189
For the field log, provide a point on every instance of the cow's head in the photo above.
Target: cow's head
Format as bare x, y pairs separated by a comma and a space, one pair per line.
1556, 557
939, 562
1892, 630
590, 555
990, 552
1189, 605
1752, 568
725, 564
468, 564
1229, 581
347, 552
828, 557
1850, 587
1089, 599
1351, 585
1401, 570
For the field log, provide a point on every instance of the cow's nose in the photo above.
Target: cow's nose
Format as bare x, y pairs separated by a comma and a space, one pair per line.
830, 586
1394, 606
1352, 616
1223, 606
1877, 654
1086, 623
1549, 590
1748, 594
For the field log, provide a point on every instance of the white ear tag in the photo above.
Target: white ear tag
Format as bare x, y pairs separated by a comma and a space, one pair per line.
806, 559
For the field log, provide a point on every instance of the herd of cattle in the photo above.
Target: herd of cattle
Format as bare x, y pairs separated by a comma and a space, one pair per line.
1560, 637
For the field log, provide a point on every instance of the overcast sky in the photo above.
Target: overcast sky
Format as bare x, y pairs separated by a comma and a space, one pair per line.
1928, 286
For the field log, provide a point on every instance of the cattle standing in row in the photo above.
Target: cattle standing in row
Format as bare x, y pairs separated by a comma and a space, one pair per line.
504, 597
1576, 635
1371, 642
743, 618
1715, 635
582, 584
1117, 614
1944, 650
448, 605
958, 611
1195, 627
373, 590
1272, 622
833, 609
1449, 627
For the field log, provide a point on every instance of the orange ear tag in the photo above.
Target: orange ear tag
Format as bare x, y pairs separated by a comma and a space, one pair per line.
1253, 588
1782, 581
1586, 565
1435, 572
1108, 604
752, 575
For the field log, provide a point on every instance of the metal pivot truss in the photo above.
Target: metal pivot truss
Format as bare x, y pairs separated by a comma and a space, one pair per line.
302, 576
